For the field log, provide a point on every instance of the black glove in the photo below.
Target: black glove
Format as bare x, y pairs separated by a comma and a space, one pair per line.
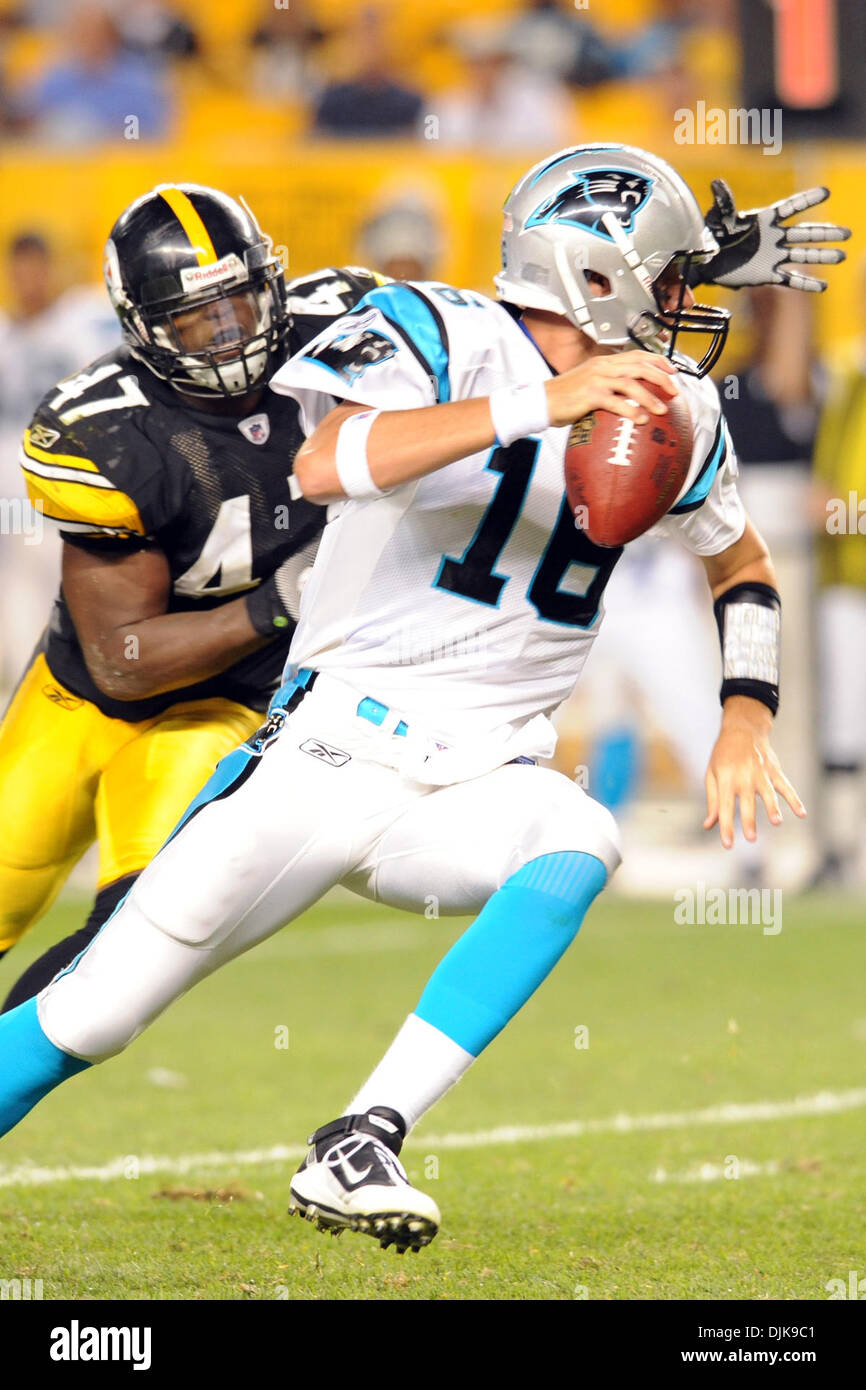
274, 606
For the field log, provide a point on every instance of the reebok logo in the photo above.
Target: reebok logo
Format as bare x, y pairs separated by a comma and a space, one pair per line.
325, 752
43, 437
61, 697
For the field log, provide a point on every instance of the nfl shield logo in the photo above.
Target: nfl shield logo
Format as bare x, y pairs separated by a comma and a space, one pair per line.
257, 429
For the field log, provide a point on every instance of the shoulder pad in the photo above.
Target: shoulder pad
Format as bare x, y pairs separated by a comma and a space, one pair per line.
111, 384
82, 455
316, 300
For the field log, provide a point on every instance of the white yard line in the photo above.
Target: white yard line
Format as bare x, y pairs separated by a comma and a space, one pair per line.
717, 1172
753, 1112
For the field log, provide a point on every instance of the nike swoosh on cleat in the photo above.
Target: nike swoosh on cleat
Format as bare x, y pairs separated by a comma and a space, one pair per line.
354, 1175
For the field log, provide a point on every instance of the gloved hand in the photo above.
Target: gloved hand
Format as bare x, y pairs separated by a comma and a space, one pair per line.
275, 605
754, 245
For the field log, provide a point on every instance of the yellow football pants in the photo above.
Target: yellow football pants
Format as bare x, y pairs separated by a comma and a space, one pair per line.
70, 775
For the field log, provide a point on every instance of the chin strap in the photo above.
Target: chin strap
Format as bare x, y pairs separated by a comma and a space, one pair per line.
628, 251
577, 301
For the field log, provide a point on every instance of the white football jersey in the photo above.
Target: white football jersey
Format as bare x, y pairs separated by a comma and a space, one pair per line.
467, 600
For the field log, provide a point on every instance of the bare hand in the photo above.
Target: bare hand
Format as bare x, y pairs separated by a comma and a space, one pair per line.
743, 766
612, 381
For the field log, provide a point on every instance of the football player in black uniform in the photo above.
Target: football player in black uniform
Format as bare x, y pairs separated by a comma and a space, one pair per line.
167, 466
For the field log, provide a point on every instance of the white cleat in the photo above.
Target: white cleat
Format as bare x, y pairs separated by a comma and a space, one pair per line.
353, 1180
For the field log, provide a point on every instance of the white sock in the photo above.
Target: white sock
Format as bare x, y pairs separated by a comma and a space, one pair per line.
419, 1067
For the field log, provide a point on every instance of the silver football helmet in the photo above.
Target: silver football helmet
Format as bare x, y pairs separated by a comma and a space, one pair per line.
618, 212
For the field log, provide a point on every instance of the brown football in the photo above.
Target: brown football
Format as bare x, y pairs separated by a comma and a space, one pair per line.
621, 477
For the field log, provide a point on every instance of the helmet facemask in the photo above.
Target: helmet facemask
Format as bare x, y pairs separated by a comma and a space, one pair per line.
220, 344
220, 341
659, 331
647, 323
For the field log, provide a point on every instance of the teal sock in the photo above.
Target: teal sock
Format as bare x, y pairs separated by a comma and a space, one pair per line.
510, 948
30, 1065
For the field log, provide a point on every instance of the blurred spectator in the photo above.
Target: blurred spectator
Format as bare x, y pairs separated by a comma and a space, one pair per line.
7, 113
97, 87
10, 21
371, 104
656, 602
557, 43
154, 29
45, 336
552, 39
840, 472
402, 240
771, 405
688, 50
283, 47
502, 104
656, 47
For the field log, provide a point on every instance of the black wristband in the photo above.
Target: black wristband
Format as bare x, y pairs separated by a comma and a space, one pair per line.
743, 671
268, 614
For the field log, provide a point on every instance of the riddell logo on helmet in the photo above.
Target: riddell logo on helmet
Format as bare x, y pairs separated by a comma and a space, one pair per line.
198, 277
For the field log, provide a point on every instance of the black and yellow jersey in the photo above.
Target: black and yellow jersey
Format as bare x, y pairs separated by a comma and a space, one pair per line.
118, 461
840, 465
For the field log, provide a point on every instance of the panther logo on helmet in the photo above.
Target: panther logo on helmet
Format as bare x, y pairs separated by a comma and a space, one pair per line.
593, 193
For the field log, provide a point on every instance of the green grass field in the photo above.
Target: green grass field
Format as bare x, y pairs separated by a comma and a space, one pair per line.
680, 1020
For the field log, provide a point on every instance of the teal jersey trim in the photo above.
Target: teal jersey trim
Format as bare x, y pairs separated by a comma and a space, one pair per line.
408, 311
697, 493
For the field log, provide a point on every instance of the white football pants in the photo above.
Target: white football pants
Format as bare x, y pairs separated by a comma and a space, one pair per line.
274, 829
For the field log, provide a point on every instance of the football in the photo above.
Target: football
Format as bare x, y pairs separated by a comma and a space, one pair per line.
622, 477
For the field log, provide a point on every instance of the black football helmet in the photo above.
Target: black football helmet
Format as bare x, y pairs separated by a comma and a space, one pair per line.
198, 291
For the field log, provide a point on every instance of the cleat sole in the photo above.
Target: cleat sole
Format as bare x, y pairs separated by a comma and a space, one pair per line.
402, 1229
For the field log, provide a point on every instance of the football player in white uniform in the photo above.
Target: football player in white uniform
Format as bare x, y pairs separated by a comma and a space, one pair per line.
449, 611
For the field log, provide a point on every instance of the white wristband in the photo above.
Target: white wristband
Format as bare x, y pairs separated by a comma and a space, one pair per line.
353, 468
517, 411
752, 639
